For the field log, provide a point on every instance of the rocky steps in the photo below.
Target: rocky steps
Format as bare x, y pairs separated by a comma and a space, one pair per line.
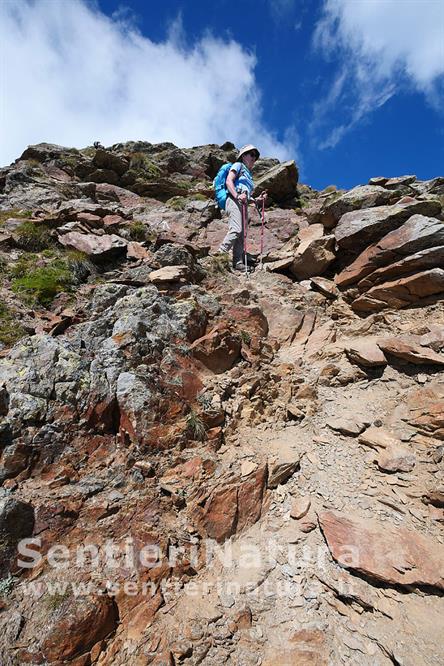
273, 444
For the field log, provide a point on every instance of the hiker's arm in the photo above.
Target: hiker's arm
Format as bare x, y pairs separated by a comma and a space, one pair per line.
232, 175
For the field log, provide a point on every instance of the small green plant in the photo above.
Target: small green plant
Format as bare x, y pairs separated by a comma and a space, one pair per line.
7, 585
195, 426
140, 162
14, 213
218, 263
10, 328
245, 337
138, 231
55, 600
40, 285
177, 203
199, 197
33, 237
330, 188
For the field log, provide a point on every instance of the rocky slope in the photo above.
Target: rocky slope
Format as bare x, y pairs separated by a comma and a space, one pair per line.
217, 468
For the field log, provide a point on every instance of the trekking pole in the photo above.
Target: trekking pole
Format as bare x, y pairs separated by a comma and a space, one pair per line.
244, 225
262, 234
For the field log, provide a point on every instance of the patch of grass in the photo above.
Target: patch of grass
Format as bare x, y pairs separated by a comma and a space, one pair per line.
10, 328
33, 236
88, 152
196, 427
140, 162
199, 197
177, 203
138, 231
39, 286
15, 213
55, 600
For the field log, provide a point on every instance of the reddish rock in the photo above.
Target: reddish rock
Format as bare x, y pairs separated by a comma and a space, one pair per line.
96, 247
434, 339
115, 193
385, 553
411, 352
378, 438
113, 222
78, 624
300, 507
90, 219
306, 647
136, 250
326, 287
219, 350
248, 318
355, 230
432, 257
366, 352
314, 254
425, 410
249, 499
402, 292
396, 459
418, 233
232, 508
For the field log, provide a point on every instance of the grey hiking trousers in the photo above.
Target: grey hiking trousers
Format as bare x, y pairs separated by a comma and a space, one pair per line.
235, 235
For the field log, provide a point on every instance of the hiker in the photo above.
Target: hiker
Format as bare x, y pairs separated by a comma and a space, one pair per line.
240, 186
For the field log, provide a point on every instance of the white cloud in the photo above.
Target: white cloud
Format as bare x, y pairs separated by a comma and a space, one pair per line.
382, 46
72, 75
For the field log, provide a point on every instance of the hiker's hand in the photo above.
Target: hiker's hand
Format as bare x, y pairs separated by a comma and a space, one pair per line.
263, 196
242, 197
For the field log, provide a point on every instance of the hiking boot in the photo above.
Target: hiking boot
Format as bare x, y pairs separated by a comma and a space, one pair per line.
251, 259
240, 266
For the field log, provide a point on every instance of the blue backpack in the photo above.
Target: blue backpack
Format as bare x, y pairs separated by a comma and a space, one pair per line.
219, 184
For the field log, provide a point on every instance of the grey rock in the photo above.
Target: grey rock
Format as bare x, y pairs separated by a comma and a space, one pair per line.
357, 229
16, 523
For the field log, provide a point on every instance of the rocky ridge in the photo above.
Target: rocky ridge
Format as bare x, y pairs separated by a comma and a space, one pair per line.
273, 444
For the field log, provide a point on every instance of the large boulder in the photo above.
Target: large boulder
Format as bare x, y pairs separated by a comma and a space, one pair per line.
76, 626
401, 293
96, 247
432, 257
314, 253
391, 555
358, 229
280, 182
363, 196
417, 234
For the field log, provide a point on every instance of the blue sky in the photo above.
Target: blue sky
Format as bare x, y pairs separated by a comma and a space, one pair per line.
350, 89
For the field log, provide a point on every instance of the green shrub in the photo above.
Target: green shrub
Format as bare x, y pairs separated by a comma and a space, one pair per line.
33, 236
10, 329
